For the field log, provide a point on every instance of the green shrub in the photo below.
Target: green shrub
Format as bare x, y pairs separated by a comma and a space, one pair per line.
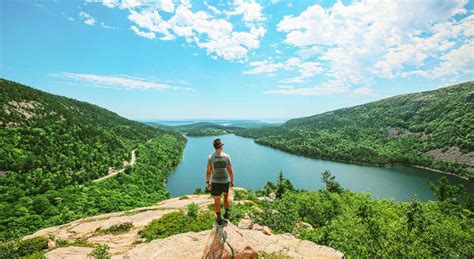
37, 255
237, 212
184, 197
100, 252
7, 249
31, 246
175, 223
117, 229
193, 210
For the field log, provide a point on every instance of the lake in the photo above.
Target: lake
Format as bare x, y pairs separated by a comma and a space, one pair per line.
255, 164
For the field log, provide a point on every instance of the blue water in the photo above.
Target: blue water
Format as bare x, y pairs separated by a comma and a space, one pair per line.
255, 164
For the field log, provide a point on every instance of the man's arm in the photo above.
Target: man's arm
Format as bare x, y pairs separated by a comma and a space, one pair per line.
208, 176
231, 174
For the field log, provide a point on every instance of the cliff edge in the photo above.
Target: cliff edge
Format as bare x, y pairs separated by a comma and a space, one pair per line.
230, 241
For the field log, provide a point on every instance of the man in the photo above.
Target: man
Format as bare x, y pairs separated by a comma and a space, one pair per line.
220, 167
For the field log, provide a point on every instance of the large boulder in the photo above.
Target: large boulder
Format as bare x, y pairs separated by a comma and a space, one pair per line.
228, 242
70, 252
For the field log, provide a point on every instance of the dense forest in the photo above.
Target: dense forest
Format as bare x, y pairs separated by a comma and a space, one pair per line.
52, 147
432, 129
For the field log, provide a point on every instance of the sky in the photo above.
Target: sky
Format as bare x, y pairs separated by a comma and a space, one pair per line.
242, 59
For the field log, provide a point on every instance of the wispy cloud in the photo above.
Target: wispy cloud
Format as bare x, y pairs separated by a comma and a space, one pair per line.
114, 81
105, 26
87, 18
39, 5
327, 88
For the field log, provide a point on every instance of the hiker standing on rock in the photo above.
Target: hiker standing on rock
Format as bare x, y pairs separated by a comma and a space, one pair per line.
220, 167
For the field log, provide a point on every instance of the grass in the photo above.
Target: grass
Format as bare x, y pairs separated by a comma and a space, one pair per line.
176, 223
116, 229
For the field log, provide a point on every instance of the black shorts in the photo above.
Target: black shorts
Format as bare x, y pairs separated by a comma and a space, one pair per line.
218, 188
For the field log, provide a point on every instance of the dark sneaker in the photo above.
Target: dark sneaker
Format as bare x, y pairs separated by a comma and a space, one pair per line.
226, 215
219, 220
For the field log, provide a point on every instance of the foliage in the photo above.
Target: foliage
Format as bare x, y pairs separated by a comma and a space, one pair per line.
16, 249
175, 223
184, 197
360, 226
117, 229
331, 184
193, 210
100, 252
396, 130
282, 186
244, 195
51, 149
446, 192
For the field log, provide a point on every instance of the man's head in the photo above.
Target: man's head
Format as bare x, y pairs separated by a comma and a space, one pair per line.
218, 144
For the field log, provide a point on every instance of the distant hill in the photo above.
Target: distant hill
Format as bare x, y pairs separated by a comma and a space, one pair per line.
432, 129
52, 147
198, 128
207, 128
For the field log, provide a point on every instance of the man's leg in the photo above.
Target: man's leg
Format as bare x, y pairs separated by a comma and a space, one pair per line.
217, 204
226, 200
217, 209
226, 205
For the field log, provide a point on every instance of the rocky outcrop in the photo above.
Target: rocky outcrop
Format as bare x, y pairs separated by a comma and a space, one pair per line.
70, 252
228, 241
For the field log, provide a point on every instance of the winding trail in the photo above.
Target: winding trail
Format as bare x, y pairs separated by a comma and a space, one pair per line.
133, 159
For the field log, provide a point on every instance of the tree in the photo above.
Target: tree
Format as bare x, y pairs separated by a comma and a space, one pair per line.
415, 215
331, 184
283, 185
445, 191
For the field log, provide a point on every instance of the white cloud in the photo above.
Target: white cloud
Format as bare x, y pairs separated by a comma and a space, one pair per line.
460, 60
148, 35
328, 88
124, 4
213, 8
368, 39
114, 81
87, 18
305, 69
454, 63
217, 35
105, 26
294, 80
249, 9
261, 67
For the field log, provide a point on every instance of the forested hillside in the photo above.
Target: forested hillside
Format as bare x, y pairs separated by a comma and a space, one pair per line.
52, 147
432, 129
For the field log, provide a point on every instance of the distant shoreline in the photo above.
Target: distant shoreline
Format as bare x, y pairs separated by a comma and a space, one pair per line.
439, 171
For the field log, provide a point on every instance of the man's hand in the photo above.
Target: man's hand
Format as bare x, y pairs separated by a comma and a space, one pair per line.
232, 184
208, 186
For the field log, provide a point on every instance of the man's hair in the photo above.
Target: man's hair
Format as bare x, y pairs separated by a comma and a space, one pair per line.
217, 143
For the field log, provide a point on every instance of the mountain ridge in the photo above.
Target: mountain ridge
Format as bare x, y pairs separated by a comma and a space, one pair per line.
53, 147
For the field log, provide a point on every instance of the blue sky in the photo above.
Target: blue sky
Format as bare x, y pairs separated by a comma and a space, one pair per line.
235, 59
